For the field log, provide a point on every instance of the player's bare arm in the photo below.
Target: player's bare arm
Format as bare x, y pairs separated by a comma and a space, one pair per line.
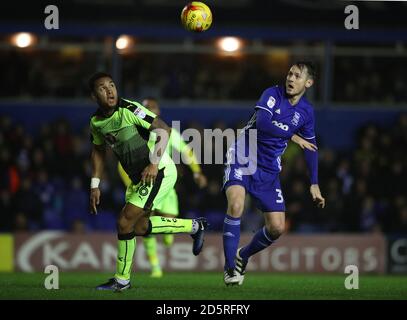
163, 131
304, 144
97, 161
199, 178
316, 195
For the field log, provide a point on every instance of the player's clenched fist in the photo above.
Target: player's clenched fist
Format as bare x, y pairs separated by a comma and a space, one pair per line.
94, 199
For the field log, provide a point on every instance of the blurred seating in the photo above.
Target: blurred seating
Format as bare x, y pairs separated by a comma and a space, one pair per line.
364, 186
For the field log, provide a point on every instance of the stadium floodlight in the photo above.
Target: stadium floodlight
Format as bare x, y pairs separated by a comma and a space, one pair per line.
123, 42
22, 39
230, 44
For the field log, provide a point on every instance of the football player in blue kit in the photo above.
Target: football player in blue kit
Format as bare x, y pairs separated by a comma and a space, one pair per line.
282, 113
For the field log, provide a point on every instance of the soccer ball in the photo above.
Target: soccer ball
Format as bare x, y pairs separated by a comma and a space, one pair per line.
196, 16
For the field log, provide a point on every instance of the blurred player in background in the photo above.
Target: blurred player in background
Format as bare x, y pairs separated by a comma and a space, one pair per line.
169, 205
281, 112
126, 127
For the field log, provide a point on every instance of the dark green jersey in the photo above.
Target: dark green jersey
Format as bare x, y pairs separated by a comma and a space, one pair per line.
126, 131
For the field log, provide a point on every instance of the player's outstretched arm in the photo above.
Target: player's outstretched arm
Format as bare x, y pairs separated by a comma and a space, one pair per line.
97, 161
311, 158
199, 178
163, 132
189, 157
304, 144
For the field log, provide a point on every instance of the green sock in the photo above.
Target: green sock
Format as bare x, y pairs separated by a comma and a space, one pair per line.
125, 255
168, 239
170, 225
150, 244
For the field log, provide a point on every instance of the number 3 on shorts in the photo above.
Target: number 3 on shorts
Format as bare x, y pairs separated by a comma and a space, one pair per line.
280, 196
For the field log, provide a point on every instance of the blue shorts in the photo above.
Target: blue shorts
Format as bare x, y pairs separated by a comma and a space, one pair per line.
264, 187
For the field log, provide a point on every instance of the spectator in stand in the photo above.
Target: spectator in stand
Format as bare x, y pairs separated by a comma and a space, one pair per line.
365, 186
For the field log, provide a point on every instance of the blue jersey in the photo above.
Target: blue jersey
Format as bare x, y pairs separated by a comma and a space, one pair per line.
276, 121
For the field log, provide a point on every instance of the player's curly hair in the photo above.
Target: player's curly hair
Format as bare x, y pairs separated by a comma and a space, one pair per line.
95, 77
311, 70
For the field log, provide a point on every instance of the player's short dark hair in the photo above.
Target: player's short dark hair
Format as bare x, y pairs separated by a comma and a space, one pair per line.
311, 70
95, 77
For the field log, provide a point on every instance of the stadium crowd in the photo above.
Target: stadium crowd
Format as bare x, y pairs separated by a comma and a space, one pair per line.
378, 80
45, 184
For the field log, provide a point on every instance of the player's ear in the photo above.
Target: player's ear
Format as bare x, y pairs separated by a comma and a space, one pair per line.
92, 95
309, 83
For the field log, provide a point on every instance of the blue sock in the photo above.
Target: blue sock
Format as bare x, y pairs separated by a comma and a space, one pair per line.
231, 237
261, 240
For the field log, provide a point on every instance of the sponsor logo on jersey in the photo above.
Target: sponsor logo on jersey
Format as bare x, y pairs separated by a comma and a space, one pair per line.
280, 125
116, 123
140, 113
278, 111
296, 119
271, 102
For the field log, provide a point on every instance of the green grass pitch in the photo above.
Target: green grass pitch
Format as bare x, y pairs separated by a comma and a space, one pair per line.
205, 286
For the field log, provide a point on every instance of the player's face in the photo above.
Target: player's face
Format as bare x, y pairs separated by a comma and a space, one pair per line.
105, 92
151, 105
297, 81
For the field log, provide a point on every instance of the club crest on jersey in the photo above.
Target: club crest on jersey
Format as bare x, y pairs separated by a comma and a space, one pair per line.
110, 139
140, 113
296, 118
271, 102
